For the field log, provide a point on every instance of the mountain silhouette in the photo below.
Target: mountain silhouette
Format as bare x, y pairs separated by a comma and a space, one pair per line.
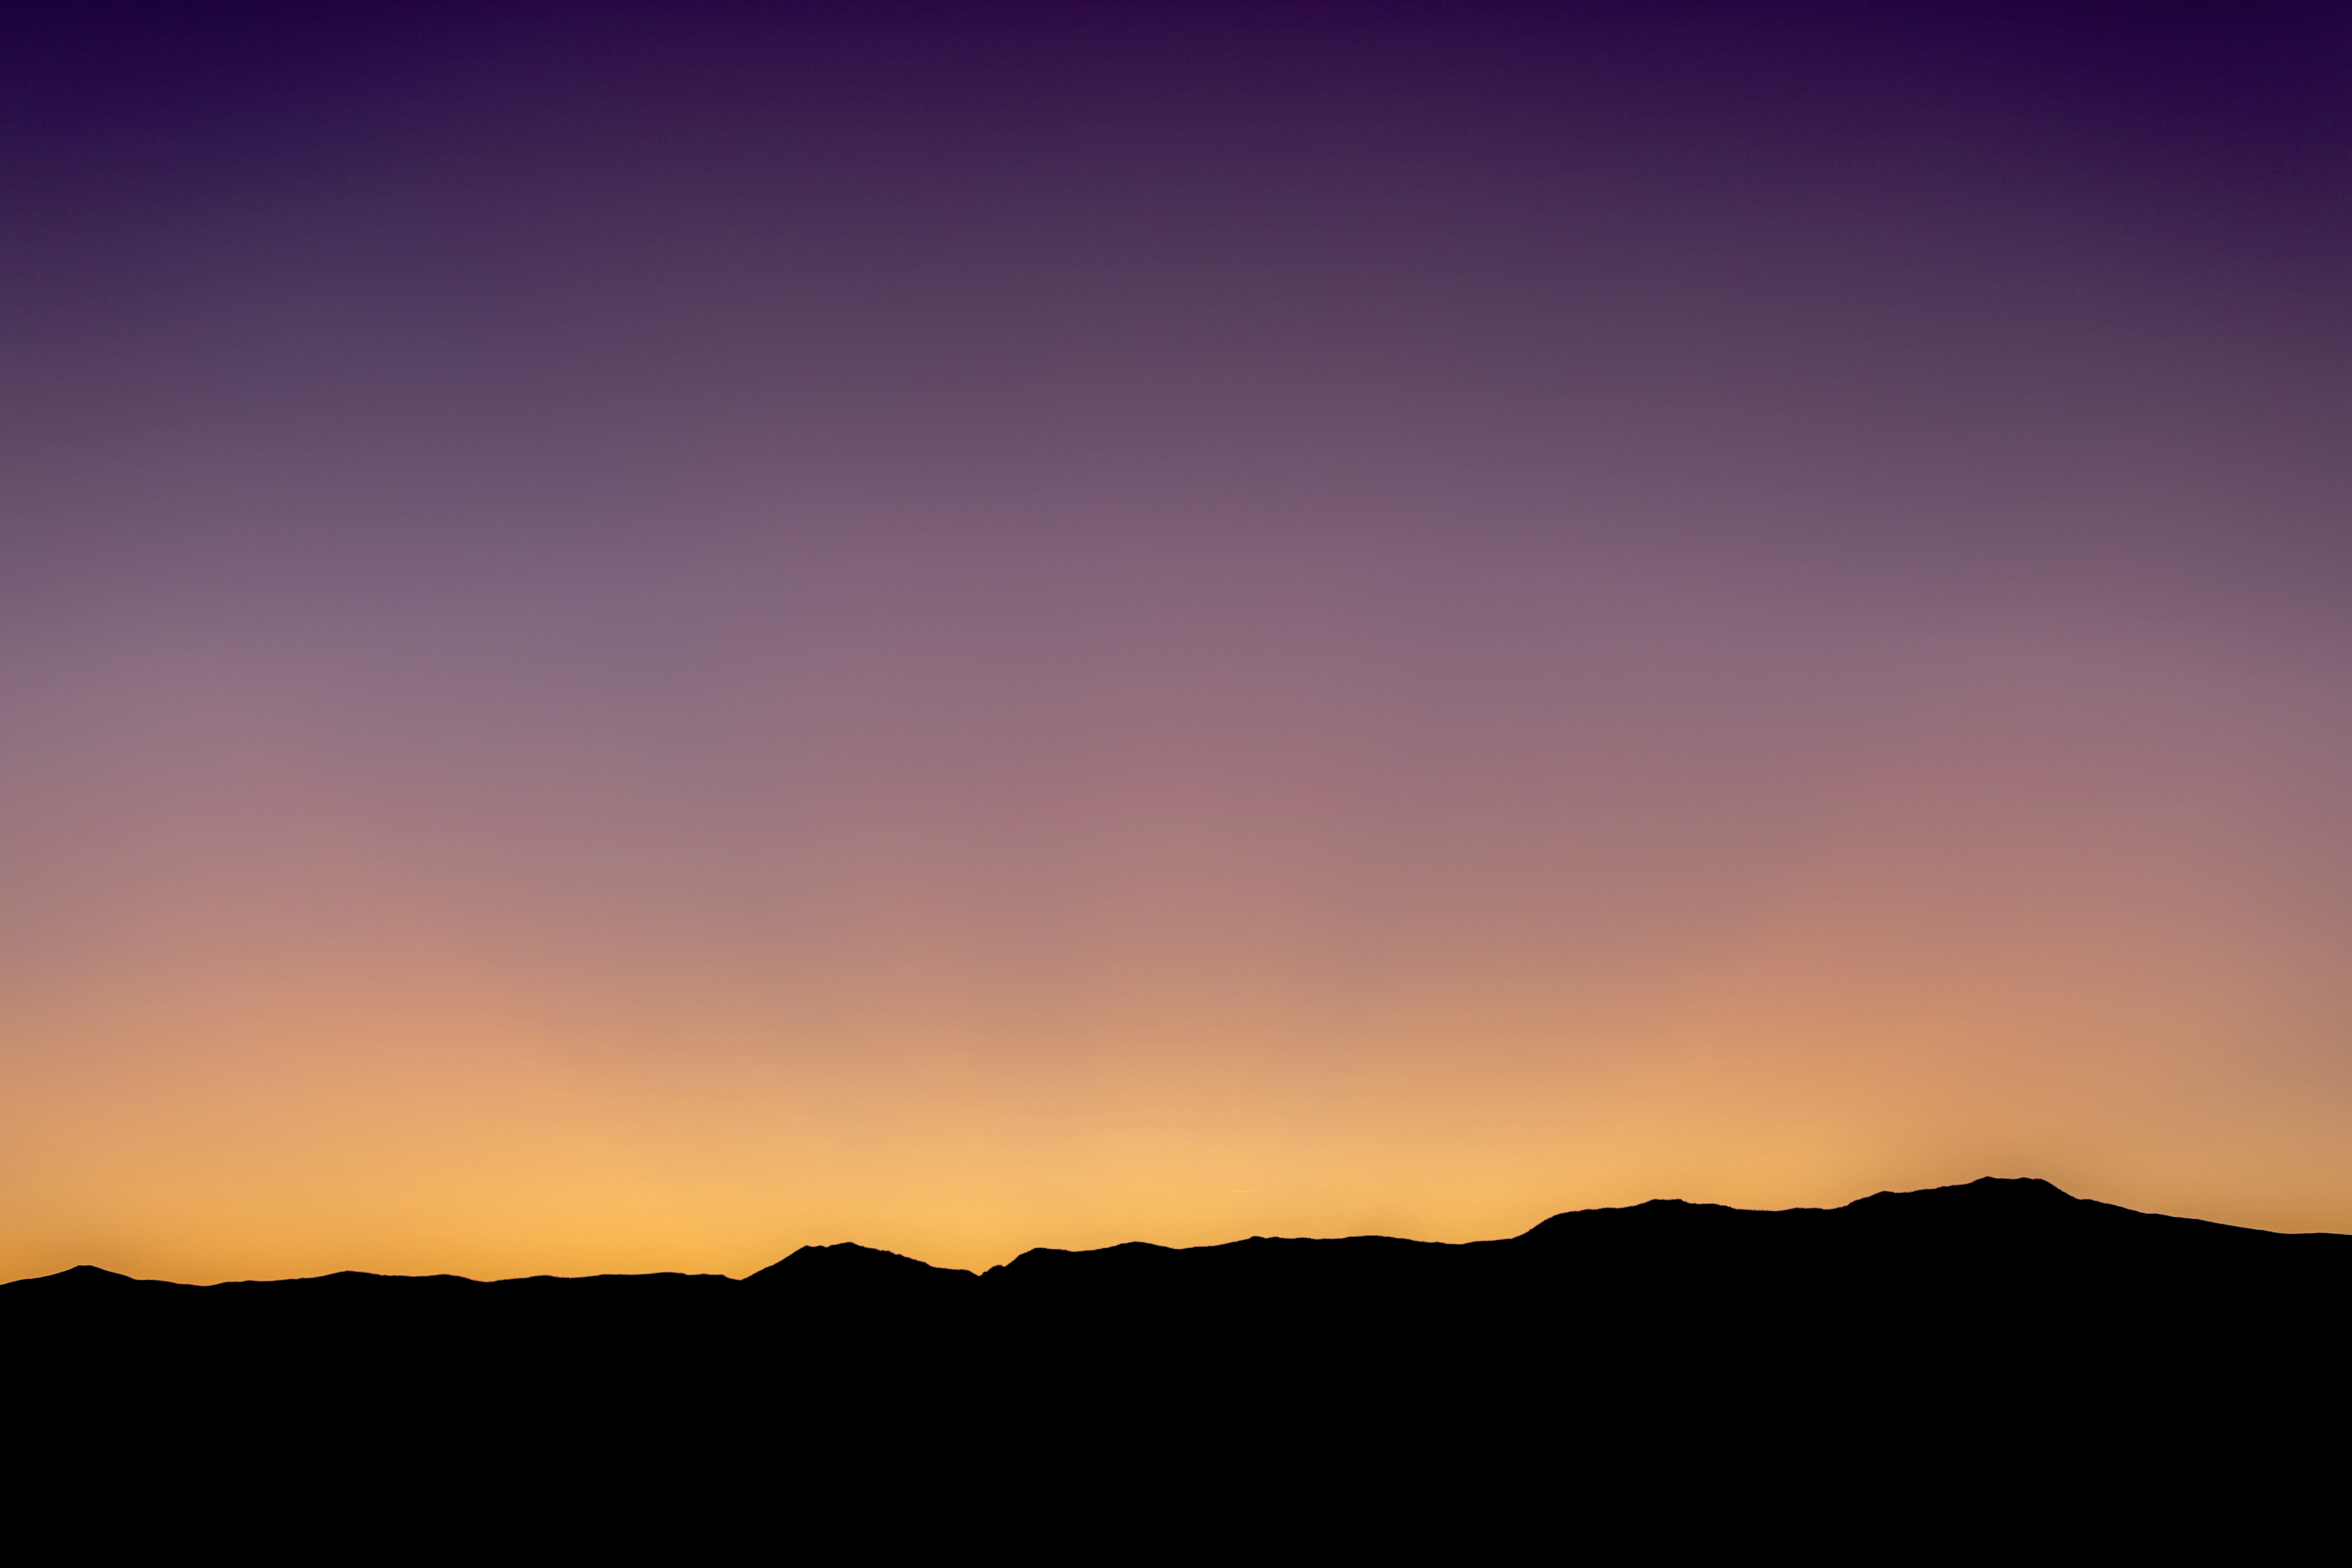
846, 1270
1972, 1348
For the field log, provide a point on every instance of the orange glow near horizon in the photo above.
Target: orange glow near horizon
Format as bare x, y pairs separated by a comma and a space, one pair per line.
1995, 954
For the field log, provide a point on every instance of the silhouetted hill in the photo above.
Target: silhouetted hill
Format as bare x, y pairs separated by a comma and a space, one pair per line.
1956, 1340
864, 1273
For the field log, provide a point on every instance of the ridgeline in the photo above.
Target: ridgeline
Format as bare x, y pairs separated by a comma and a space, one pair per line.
2001, 1330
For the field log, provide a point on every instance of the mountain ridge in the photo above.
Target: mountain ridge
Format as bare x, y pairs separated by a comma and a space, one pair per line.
2025, 1204
1960, 1343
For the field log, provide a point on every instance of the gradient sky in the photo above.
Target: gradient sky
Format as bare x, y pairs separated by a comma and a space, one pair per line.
633, 635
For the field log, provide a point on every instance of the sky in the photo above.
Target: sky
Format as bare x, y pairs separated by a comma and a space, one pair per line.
632, 636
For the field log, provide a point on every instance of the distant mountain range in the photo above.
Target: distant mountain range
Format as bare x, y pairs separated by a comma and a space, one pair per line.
1903, 1330
2018, 1231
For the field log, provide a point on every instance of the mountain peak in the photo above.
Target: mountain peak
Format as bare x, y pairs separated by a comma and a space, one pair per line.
82, 1277
2007, 1194
845, 1262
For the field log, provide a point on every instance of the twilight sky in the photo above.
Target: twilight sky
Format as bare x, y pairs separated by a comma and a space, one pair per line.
634, 635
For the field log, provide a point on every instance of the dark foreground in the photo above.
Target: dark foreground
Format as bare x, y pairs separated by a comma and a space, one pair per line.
1967, 1362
